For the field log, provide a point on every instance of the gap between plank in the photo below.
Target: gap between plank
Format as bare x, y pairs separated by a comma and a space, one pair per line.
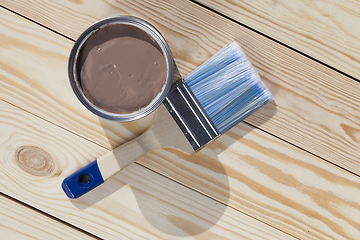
220, 14
47, 215
224, 16
275, 40
57, 125
138, 163
228, 18
42, 25
142, 165
303, 149
213, 198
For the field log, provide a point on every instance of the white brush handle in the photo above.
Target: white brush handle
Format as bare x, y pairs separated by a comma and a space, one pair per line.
164, 132
126, 154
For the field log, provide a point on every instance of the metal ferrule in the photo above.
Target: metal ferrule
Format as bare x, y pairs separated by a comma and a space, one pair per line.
190, 116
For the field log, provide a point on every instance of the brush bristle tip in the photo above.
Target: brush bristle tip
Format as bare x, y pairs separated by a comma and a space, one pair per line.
228, 87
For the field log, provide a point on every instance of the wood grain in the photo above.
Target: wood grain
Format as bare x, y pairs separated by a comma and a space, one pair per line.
279, 184
18, 221
245, 169
315, 107
272, 181
325, 30
136, 204
163, 133
34, 76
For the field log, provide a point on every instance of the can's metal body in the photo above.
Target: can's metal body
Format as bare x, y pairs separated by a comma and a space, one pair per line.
154, 34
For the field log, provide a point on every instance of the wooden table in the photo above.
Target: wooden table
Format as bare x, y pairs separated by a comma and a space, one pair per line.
289, 171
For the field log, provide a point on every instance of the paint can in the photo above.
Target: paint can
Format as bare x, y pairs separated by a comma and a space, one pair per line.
74, 68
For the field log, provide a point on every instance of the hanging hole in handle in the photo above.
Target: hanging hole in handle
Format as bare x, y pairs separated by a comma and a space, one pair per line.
85, 179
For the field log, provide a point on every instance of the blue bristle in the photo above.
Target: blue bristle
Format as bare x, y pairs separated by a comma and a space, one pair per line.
228, 88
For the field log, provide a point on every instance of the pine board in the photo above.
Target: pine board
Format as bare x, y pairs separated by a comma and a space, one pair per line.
225, 181
315, 108
272, 181
325, 30
18, 221
34, 76
35, 157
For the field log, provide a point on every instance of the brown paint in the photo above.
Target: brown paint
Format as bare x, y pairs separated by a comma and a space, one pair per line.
34, 160
121, 68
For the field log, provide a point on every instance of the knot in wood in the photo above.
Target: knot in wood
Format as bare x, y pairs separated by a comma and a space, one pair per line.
34, 160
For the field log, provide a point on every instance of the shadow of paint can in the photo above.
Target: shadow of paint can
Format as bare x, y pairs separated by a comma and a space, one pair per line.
114, 41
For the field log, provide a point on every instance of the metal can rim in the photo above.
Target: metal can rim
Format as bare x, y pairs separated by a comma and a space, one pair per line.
154, 34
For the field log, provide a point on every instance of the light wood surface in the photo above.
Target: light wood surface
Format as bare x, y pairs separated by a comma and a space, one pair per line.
137, 203
315, 107
34, 77
325, 30
247, 184
18, 221
164, 132
272, 181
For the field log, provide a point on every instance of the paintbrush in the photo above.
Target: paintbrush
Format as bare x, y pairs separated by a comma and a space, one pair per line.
216, 96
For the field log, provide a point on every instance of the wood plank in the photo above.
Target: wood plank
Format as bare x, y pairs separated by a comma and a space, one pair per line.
227, 172
36, 155
315, 107
18, 221
325, 30
34, 76
279, 184
272, 181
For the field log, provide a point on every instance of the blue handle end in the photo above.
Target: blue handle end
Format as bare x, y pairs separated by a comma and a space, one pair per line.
83, 180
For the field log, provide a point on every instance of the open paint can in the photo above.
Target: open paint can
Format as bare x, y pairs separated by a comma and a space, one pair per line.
121, 68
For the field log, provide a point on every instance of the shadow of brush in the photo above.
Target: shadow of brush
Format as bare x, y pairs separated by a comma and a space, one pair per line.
200, 188
192, 199
178, 194
171, 189
178, 204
